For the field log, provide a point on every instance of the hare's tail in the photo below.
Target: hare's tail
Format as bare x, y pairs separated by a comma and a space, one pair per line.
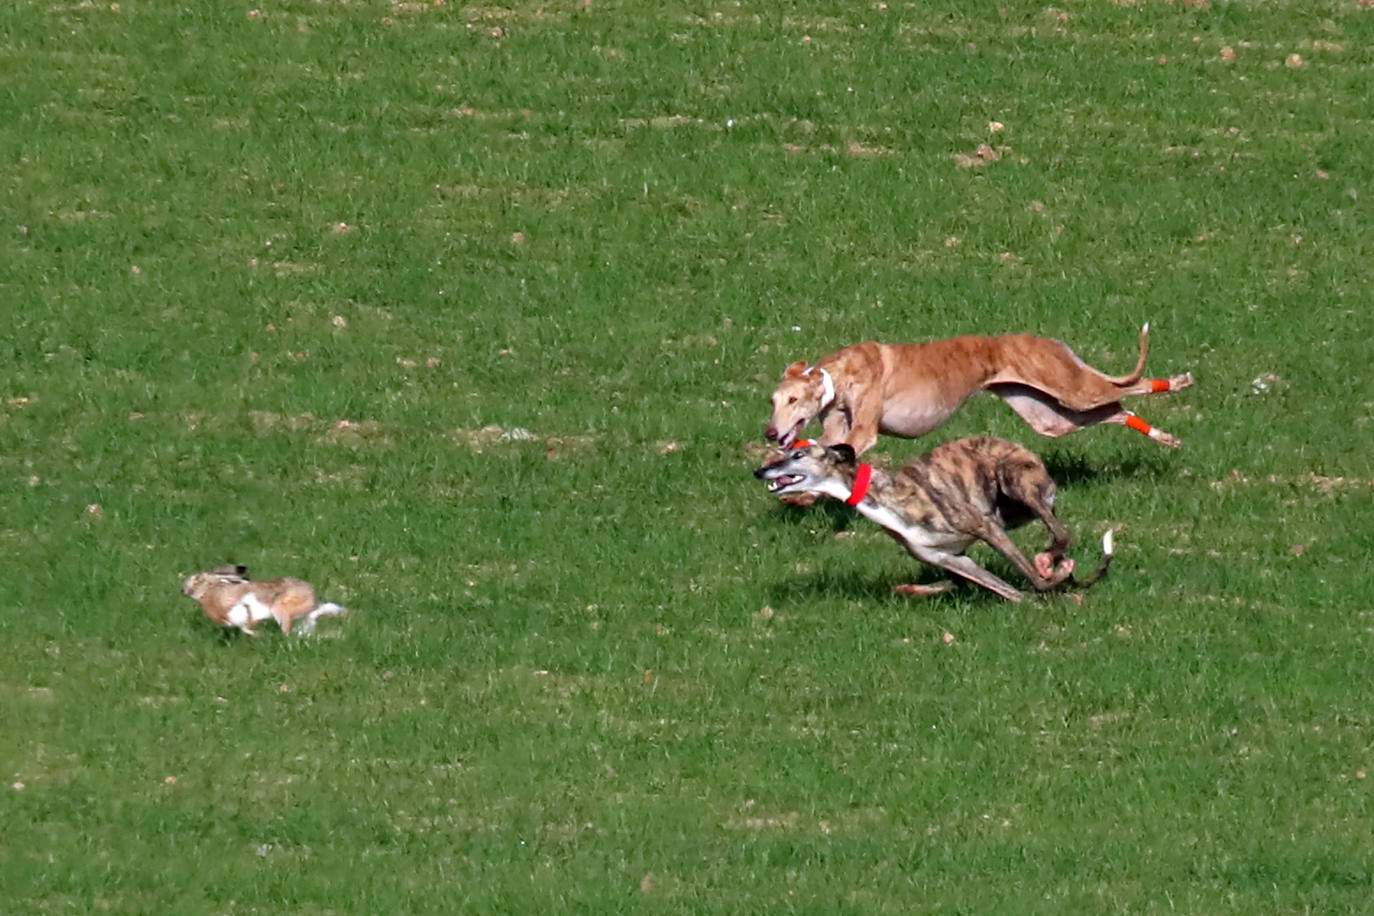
328, 609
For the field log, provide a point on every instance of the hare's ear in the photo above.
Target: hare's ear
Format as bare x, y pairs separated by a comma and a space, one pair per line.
796, 370
844, 453
239, 572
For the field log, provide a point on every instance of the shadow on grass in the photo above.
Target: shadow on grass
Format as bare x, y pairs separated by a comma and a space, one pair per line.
854, 585
1072, 469
825, 513
225, 636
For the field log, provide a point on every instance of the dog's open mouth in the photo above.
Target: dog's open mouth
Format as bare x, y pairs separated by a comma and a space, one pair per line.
788, 438
783, 481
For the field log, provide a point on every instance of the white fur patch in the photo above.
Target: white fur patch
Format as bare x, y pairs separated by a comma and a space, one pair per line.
916, 537
827, 386
328, 609
247, 612
306, 626
1107, 542
833, 488
827, 389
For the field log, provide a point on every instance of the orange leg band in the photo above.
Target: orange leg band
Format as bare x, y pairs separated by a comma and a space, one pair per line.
1139, 425
1159, 384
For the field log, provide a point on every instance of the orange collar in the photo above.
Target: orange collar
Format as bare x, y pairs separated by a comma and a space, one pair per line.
861, 479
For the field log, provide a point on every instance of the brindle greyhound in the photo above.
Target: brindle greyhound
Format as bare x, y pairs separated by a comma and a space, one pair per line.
941, 502
907, 390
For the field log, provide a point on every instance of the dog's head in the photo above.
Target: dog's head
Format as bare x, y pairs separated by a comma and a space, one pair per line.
808, 469
796, 403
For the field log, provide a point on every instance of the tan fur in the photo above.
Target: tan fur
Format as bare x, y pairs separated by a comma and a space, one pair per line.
907, 390
941, 502
219, 590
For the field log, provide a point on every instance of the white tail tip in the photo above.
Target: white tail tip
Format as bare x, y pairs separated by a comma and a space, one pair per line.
1145, 328
1107, 542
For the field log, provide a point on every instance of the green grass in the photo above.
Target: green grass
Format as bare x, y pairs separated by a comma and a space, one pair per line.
600, 670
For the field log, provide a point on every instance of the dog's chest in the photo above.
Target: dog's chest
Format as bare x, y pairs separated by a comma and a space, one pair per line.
919, 527
915, 413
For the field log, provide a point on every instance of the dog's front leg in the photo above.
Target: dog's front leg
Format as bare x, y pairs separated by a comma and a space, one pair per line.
836, 428
923, 591
962, 566
858, 427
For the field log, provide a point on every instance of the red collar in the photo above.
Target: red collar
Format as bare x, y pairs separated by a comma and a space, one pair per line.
861, 479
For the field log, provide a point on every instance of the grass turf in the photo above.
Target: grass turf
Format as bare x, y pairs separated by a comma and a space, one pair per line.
468, 315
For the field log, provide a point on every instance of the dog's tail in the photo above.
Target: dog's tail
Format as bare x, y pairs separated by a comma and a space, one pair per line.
1122, 381
1107, 554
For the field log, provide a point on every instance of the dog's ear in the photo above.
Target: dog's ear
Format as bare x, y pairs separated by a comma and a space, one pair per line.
796, 369
844, 453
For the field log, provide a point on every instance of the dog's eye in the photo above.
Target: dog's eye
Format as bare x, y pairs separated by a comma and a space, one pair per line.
798, 454
792, 399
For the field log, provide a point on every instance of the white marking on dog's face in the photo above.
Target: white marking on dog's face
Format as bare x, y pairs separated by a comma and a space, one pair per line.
248, 611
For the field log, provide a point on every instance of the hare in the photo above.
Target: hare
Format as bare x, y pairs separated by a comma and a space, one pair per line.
230, 599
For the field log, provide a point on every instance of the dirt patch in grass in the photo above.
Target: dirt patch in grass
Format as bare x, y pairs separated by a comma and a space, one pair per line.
1320, 483
496, 436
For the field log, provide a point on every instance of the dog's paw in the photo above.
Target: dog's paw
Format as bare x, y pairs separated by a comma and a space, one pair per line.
1164, 438
1052, 569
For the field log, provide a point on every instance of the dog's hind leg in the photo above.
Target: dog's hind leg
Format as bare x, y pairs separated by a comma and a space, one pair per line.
1043, 573
1047, 416
1132, 421
1158, 385
1050, 418
1023, 478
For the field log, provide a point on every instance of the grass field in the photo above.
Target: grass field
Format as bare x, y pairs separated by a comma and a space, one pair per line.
469, 315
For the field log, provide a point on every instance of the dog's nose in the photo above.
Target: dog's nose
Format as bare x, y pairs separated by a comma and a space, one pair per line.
758, 472
771, 434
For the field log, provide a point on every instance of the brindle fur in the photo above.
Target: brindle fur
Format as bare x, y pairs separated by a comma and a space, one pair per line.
907, 390
941, 502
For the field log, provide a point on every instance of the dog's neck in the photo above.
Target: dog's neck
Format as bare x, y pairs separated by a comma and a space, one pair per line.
853, 490
862, 476
845, 489
827, 386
